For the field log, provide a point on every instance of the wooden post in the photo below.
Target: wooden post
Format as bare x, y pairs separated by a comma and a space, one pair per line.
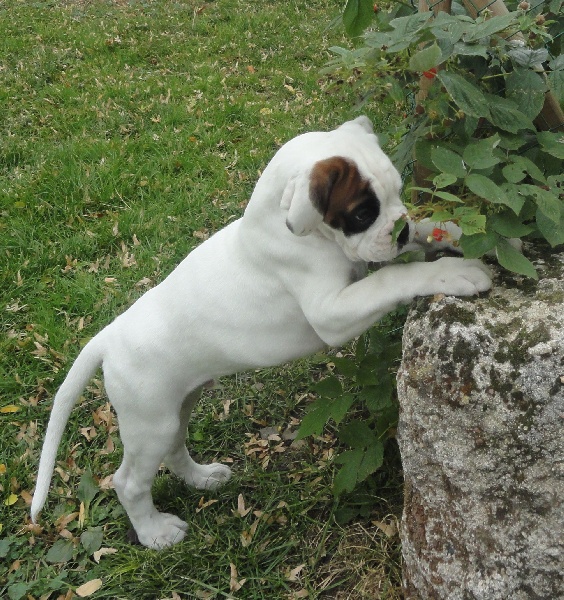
419, 172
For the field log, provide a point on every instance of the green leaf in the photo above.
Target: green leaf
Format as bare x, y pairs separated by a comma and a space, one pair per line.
60, 552
448, 161
347, 476
466, 95
527, 166
357, 434
470, 50
319, 412
18, 590
4, 547
479, 154
330, 387
513, 173
548, 203
509, 225
357, 16
358, 464
407, 30
513, 260
425, 59
505, 115
475, 246
527, 89
87, 488
91, 539
556, 84
399, 226
485, 188
513, 198
444, 180
552, 233
377, 397
447, 196
489, 26
371, 461
470, 220
553, 143
340, 407
345, 366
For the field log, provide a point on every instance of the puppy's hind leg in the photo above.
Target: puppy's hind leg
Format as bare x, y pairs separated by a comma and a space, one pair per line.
146, 442
179, 461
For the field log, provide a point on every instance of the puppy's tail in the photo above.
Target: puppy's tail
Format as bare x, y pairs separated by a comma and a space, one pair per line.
80, 373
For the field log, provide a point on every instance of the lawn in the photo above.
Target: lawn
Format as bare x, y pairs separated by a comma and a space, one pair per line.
130, 131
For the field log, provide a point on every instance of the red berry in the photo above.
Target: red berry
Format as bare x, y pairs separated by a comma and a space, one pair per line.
438, 234
431, 73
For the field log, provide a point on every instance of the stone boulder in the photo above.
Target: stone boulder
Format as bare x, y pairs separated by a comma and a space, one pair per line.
481, 391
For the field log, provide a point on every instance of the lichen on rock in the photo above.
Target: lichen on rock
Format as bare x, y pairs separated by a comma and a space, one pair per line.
481, 390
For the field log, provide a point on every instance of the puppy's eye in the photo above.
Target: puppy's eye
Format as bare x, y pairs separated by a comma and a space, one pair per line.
363, 216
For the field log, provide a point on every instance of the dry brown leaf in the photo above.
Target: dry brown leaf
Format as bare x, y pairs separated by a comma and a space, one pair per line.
241, 510
89, 588
389, 529
102, 552
202, 504
64, 520
27, 497
294, 574
248, 534
234, 584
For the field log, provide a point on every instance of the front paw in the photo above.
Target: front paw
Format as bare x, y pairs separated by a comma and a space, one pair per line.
460, 277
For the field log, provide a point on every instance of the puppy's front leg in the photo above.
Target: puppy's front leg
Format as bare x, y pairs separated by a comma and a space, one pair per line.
338, 316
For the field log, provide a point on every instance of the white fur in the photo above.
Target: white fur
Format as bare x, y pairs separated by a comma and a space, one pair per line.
253, 295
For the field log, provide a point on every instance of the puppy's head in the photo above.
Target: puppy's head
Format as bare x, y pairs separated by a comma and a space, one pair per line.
353, 199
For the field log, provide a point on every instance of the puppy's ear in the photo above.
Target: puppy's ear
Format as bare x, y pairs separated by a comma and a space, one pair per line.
303, 217
362, 121
307, 196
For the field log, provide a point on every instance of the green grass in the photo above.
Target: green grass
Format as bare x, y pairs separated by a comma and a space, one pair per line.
129, 131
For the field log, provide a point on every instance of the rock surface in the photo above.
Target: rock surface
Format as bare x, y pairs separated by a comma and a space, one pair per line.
481, 389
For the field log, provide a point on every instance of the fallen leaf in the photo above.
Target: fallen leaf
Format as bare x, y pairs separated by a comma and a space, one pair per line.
64, 520
294, 573
202, 504
389, 529
102, 552
89, 588
2, 468
10, 500
27, 497
241, 511
10, 408
248, 534
234, 584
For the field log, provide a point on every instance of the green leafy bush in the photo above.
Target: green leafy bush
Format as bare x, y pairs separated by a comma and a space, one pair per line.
481, 159
360, 398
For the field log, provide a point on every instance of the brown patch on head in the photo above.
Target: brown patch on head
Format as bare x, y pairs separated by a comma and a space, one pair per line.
342, 196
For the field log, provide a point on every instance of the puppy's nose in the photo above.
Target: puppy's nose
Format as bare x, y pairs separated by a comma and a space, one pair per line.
403, 236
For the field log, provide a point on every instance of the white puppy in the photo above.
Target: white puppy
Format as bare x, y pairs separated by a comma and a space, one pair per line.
282, 282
